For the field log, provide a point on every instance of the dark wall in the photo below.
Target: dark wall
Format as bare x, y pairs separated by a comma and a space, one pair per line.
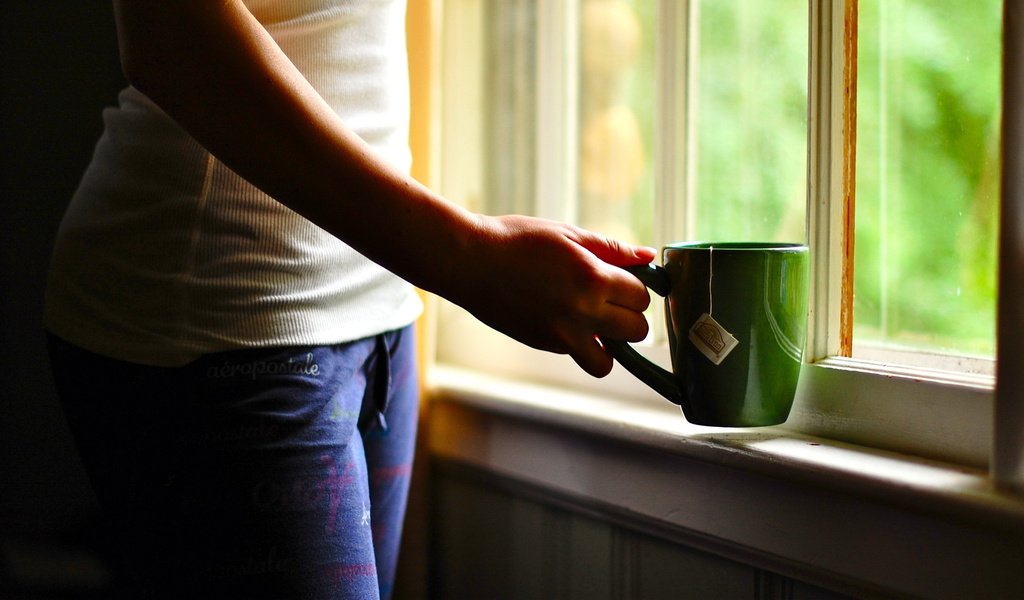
60, 69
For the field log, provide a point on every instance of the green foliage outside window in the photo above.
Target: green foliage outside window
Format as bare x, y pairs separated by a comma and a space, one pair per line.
927, 143
928, 173
927, 155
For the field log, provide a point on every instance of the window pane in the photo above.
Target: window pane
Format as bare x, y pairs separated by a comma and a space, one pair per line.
509, 80
927, 175
616, 118
751, 121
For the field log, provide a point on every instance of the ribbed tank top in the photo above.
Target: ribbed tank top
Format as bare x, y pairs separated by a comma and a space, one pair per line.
165, 254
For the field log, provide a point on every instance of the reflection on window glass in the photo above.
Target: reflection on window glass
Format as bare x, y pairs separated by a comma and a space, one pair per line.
927, 175
616, 118
751, 121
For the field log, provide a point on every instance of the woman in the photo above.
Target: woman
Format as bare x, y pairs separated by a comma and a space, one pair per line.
230, 298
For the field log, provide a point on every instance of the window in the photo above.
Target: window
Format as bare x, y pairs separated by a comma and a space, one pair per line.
836, 122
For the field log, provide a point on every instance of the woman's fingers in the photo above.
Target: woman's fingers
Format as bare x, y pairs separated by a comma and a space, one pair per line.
612, 251
616, 323
620, 323
626, 291
592, 358
623, 288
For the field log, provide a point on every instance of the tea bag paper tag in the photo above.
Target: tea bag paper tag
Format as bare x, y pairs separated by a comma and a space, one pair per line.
712, 339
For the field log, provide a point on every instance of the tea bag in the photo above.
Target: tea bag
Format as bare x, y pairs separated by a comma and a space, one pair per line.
707, 334
712, 339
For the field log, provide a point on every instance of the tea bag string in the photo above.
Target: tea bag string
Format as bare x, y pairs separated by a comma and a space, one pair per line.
711, 275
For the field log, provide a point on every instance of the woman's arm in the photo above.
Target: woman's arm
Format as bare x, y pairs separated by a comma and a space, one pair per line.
214, 68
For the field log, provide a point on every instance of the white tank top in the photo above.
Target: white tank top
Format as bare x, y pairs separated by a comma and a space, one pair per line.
165, 254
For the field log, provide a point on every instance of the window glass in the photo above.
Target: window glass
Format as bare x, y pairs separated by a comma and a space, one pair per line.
509, 81
927, 113
616, 113
750, 121
927, 175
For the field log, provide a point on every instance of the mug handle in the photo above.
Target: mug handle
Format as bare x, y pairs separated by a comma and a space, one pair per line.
660, 380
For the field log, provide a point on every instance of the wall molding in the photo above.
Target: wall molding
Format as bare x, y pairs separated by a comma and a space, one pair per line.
834, 529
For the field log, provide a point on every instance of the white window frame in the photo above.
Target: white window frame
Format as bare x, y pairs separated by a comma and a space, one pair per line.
928, 413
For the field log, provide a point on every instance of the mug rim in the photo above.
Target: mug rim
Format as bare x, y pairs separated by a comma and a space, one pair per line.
738, 246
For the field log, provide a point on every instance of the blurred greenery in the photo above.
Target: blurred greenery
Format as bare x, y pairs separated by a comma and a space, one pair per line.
927, 144
927, 155
751, 107
928, 173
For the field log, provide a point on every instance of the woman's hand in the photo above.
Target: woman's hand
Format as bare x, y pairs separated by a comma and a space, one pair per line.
554, 287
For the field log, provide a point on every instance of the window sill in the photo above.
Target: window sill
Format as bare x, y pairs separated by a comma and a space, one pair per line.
829, 512
901, 411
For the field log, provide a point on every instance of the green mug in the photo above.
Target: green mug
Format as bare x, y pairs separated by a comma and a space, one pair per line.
736, 315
